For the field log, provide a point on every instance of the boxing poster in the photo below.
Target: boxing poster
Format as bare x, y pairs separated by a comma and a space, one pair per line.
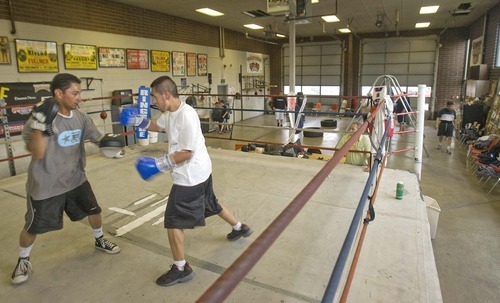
137, 58
18, 100
78, 56
36, 56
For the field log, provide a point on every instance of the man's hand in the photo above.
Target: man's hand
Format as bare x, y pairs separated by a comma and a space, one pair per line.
149, 167
130, 117
44, 113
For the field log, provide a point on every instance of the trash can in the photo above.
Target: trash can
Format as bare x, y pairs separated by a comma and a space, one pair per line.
433, 211
204, 120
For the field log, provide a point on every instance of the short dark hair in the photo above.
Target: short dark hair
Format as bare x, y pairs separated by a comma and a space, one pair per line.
449, 103
165, 84
63, 82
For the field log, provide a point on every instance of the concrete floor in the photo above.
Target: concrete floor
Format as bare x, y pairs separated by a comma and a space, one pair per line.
465, 248
467, 242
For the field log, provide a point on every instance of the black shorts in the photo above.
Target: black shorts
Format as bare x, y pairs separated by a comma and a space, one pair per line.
188, 206
47, 215
445, 129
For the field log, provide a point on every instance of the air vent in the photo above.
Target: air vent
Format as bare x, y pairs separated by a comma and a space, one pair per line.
462, 10
464, 6
256, 13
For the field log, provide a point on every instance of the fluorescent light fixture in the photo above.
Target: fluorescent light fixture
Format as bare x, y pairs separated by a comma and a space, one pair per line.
422, 24
314, 1
253, 26
344, 30
210, 12
280, 36
429, 9
249, 14
330, 18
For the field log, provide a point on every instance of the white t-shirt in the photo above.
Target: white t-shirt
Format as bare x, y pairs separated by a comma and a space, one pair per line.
184, 133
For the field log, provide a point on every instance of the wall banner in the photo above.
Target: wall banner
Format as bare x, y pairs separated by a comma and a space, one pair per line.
19, 99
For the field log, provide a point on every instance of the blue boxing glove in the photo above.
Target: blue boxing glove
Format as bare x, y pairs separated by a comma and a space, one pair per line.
130, 117
148, 166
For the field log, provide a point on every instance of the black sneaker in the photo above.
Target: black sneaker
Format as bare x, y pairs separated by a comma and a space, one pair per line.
106, 245
21, 272
174, 276
245, 231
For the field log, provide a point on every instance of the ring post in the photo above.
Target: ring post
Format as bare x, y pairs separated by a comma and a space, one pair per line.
420, 130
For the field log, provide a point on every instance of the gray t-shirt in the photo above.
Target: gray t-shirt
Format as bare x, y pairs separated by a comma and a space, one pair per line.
63, 167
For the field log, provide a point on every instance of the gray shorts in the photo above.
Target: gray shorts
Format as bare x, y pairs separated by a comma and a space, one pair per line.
47, 215
188, 206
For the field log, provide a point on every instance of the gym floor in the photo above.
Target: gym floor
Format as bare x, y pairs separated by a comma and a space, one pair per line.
256, 188
467, 241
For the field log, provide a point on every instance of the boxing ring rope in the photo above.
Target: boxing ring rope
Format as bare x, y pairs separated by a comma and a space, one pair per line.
336, 276
230, 278
369, 217
210, 123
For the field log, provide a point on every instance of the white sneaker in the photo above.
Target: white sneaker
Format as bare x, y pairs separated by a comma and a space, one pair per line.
106, 245
439, 147
448, 150
21, 272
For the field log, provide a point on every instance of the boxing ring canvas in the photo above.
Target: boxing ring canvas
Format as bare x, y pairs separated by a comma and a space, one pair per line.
396, 263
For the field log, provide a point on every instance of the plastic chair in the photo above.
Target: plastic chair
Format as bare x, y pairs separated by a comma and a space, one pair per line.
334, 108
316, 108
473, 152
488, 172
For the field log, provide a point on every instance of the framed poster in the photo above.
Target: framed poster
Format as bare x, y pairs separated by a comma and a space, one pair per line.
191, 64
178, 64
5, 50
36, 56
160, 61
78, 56
202, 64
476, 54
254, 63
137, 58
111, 57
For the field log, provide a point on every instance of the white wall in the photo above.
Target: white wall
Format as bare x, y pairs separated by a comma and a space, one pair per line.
226, 68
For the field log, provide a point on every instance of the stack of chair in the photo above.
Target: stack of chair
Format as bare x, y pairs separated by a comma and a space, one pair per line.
484, 158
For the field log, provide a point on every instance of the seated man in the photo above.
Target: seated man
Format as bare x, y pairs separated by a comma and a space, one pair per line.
363, 144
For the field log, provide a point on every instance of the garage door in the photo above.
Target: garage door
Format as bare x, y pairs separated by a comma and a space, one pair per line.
410, 60
318, 69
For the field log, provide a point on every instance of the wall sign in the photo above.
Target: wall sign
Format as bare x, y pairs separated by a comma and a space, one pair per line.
202, 64
20, 98
78, 56
476, 54
143, 102
137, 59
160, 61
178, 64
111, 57
36, 56
4, 50
191, 64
